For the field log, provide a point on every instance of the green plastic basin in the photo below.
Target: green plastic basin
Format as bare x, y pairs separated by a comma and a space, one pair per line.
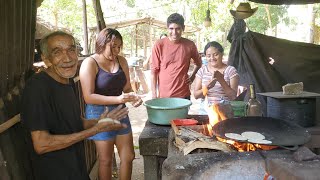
162, 110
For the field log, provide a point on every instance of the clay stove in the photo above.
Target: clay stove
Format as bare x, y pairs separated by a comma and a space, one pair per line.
227, 163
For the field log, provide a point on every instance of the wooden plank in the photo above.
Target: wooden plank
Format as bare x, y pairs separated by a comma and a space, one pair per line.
304, 94
204, 144
94, 171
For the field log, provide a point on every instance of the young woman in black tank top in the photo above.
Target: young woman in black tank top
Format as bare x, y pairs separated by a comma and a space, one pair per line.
105, 82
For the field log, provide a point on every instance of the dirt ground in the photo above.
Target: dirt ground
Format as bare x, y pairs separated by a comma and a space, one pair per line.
138, 117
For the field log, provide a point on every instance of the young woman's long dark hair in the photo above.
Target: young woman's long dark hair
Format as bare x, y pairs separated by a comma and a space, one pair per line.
104, 37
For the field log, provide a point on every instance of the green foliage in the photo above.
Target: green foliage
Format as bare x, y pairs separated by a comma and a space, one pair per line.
259, 21
130, 3
67, 14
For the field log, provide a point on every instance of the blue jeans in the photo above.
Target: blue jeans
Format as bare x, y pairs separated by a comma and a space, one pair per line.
94, 112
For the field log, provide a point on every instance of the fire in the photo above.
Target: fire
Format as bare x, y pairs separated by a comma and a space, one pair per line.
240, 146
213, 116
213, 119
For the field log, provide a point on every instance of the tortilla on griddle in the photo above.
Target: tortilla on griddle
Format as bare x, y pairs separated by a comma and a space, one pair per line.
250, 135
235, 136
259, 141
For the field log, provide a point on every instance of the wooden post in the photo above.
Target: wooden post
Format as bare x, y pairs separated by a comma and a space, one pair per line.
144, 46
99, 15
131, 47
85, 28
136, 38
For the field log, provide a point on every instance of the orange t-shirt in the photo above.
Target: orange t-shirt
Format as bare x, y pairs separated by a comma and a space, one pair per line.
172, 61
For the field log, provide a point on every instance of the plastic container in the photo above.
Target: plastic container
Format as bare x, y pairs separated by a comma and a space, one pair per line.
239, 108
184, 122
162, 110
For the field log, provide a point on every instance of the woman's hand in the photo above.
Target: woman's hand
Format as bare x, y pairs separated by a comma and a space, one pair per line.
212, 83
126, 97
137, 102
218, 75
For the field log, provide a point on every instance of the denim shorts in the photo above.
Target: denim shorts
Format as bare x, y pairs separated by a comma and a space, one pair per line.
94, 112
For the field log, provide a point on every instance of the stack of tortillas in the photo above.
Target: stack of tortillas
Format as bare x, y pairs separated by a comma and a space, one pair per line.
252, 137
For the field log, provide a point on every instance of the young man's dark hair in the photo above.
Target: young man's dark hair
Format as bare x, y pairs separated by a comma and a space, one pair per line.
177, 19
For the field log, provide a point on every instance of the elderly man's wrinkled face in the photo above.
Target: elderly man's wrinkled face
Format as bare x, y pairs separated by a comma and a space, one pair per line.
63, 56
175, 31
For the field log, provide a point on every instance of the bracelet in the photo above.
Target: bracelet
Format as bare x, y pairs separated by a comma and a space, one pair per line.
204, 90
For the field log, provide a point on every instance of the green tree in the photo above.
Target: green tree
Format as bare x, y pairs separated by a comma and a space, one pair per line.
67, 14
260, 23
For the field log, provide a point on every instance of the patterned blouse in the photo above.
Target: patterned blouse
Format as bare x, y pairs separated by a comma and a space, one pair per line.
216, 93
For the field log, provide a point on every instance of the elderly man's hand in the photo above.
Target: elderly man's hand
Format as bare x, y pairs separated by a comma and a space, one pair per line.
109, 121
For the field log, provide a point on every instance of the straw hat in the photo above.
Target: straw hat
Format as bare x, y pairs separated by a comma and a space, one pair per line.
243, 11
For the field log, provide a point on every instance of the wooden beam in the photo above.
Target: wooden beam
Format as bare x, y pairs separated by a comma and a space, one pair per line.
152, 22
8, 124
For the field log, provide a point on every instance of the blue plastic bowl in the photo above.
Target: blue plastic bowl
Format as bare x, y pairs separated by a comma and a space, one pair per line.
162, 110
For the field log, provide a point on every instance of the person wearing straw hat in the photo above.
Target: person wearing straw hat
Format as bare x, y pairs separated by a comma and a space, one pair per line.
243, 11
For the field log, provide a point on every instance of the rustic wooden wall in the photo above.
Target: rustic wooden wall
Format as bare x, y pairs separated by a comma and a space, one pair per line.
17, 27
17, 19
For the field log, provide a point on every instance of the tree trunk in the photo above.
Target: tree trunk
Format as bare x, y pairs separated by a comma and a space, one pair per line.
55, 14
312, 18
268, 16
85, 28
99, 15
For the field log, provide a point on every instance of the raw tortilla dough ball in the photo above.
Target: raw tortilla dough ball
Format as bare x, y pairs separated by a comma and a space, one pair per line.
108, 120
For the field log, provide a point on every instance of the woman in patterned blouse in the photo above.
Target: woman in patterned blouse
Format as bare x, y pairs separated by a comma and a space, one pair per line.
217, 81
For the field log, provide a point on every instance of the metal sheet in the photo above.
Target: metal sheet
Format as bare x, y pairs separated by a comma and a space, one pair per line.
280, 132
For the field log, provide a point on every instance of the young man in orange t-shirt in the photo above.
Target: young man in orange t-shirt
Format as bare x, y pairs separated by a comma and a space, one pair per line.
171, 60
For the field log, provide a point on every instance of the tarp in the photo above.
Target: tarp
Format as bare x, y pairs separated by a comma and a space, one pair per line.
252, 54
279, 2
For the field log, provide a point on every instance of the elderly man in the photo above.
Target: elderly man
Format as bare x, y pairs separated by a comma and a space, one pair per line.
171, 60
51, 114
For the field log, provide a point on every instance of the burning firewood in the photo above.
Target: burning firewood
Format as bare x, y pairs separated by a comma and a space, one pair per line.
188, 140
